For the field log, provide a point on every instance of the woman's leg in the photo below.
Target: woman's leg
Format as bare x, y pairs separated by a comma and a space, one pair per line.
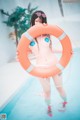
45, 82
59, 85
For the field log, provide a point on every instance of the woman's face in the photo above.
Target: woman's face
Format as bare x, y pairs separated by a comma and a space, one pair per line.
38, 21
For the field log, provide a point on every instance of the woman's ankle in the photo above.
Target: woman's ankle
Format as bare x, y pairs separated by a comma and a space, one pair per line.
65, 103
49, 107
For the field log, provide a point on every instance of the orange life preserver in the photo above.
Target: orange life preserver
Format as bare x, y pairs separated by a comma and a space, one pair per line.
34, 32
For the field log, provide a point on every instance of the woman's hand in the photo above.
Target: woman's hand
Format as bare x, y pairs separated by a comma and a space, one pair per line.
17, 53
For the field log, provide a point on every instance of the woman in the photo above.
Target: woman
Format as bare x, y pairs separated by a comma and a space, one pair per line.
42, 49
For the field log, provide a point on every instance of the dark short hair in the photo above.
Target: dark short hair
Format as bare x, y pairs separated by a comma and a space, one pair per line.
39, 14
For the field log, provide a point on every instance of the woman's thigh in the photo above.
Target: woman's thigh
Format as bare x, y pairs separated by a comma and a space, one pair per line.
45, 82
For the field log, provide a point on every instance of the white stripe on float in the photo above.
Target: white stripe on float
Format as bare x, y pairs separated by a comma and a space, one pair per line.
27, 35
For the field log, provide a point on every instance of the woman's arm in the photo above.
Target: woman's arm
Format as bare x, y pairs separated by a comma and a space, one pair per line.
56, 51
31, 56
58, 48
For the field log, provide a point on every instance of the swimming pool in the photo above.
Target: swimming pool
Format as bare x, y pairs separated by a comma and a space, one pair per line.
28, 105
